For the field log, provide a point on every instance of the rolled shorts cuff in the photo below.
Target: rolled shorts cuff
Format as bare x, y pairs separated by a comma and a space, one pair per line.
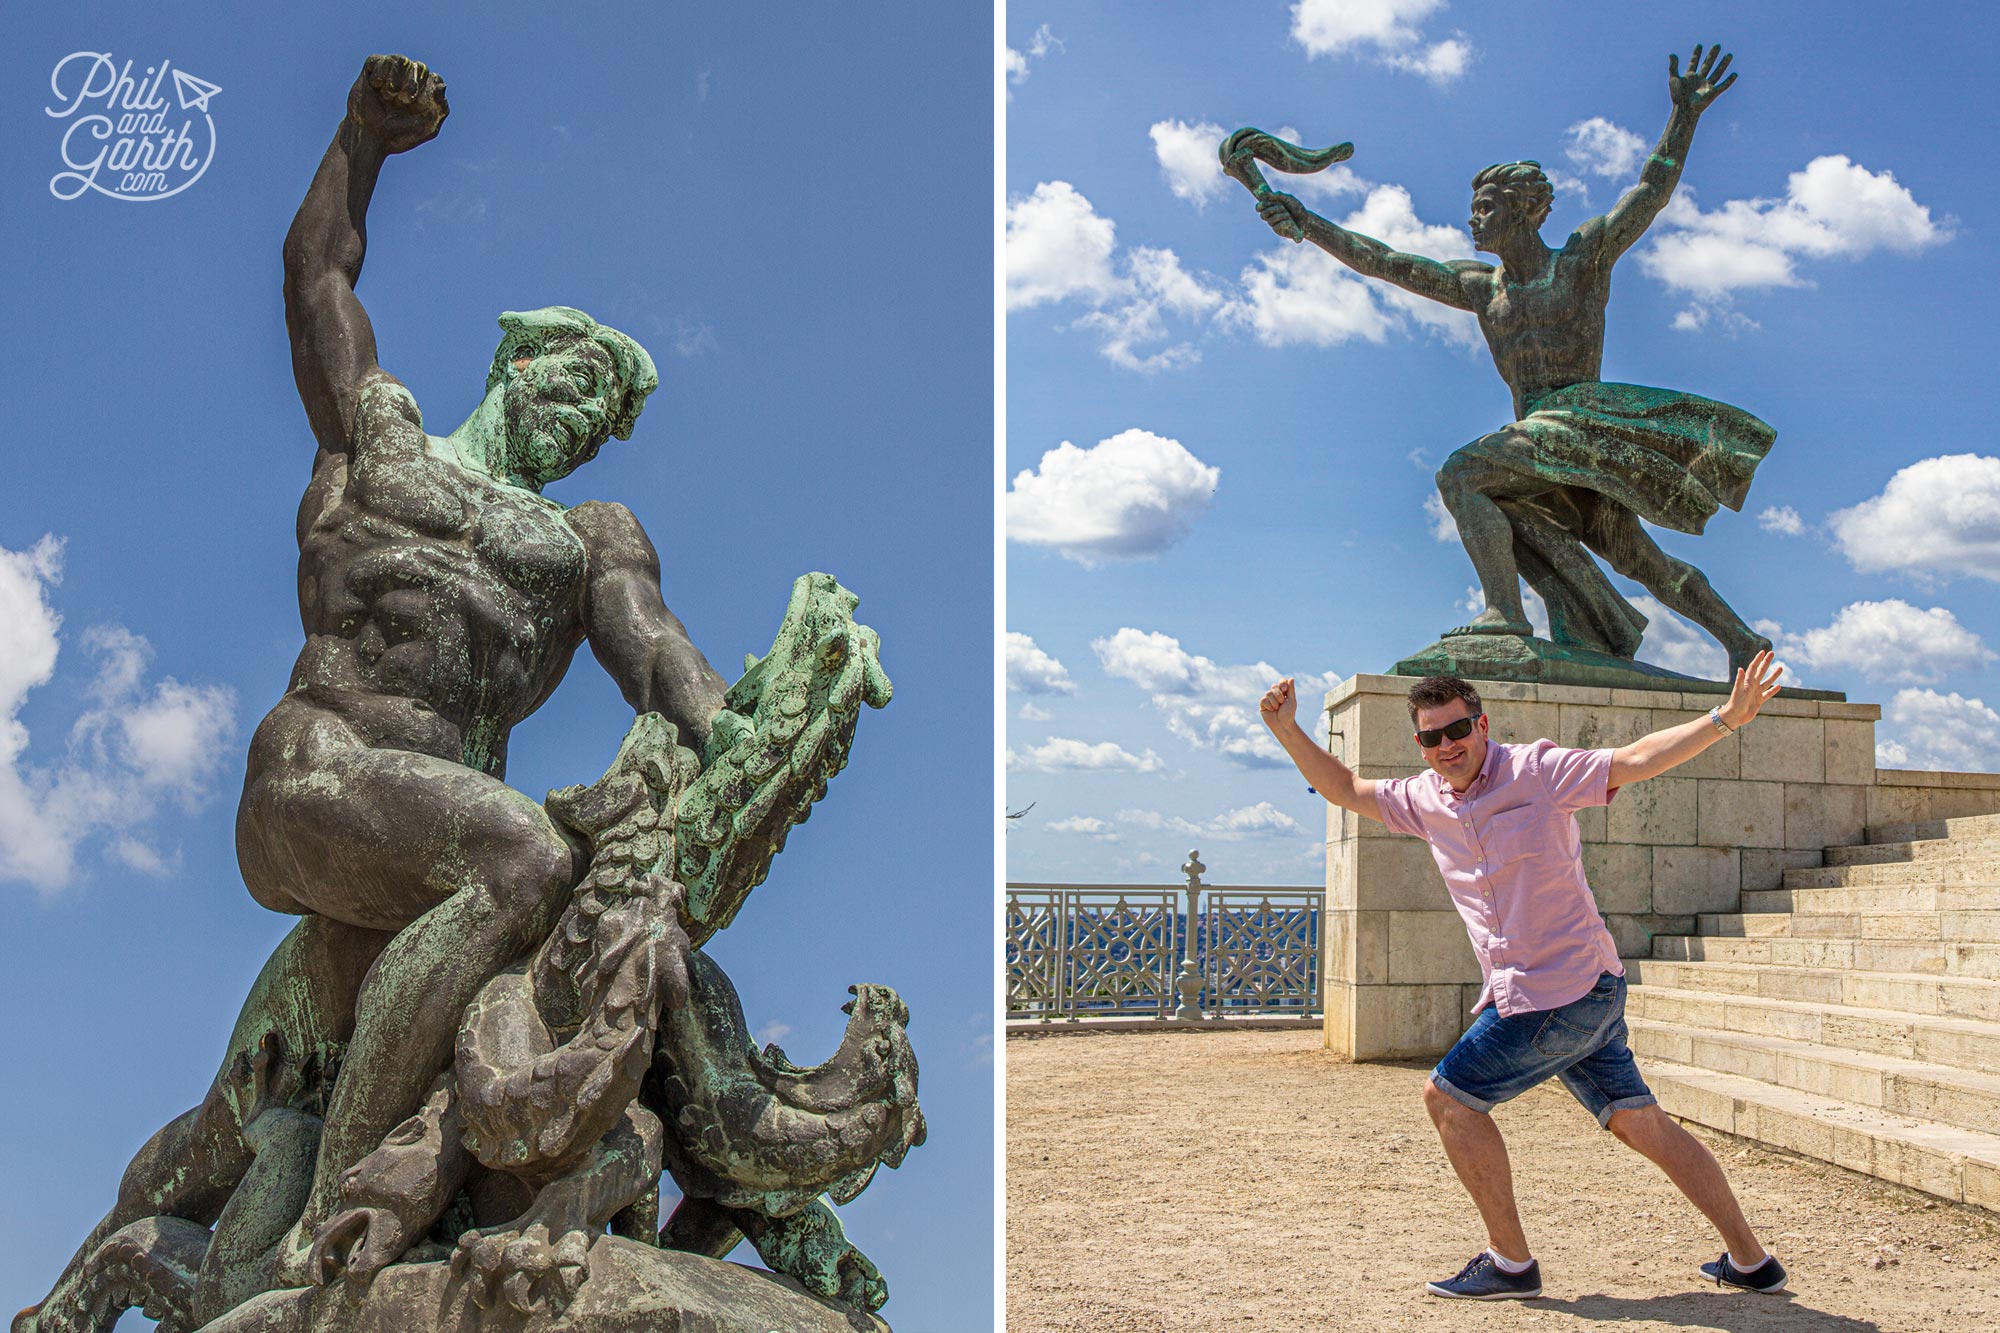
1463, 1098
1624, 1104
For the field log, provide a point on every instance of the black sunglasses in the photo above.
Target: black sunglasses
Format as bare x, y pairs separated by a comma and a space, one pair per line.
1450, 731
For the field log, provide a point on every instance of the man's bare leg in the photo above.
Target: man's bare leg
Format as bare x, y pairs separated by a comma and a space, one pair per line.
1477, 1152
1652, 1133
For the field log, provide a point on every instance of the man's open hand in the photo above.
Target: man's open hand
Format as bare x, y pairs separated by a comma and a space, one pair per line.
399, 101
1754, 684
1698, 87
1280, 704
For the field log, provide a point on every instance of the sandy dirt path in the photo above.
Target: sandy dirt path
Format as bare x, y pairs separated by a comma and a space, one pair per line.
1255, 1181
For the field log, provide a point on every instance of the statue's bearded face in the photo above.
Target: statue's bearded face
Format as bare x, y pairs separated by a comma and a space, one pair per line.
558, 407
1493, 216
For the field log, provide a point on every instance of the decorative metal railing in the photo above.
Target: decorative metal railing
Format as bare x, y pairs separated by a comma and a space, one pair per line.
1161, 951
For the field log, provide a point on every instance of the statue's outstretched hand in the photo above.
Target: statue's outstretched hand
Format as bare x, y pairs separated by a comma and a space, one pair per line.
1699, 86
1280, 704
399, 101
1284, 214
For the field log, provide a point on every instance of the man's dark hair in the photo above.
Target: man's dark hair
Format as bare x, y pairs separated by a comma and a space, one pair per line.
1436, 691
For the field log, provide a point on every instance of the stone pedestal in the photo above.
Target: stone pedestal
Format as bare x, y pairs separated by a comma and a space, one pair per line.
1399, 975
632, 1288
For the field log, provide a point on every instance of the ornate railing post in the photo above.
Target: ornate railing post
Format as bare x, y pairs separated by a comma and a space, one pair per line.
1188, 983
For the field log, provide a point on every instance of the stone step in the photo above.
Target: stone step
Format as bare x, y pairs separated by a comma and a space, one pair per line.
1948, 1161
1972, 826
1961, 1043
1922, 851
1970, 874
1961, 1097
1930, 897
1964, 927
1911, 993
1921, 959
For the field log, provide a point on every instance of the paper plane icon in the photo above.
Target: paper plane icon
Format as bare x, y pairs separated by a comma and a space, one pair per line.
194, 93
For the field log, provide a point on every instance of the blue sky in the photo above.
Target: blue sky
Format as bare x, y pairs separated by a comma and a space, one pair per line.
1220, 446
723, 184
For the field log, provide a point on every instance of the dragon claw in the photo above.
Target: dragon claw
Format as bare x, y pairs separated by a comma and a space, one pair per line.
522, 1269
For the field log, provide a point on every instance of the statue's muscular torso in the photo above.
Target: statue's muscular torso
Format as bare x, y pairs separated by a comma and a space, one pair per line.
1547, 333
441, 606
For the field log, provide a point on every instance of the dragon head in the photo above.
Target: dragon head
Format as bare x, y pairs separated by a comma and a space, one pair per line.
784, 730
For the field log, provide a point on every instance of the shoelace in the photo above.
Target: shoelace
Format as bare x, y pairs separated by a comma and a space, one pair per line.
1479, 1261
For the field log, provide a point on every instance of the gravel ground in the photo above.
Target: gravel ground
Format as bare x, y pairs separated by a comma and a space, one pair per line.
1256, 1181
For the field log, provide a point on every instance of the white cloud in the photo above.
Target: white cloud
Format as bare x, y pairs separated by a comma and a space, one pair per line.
1936, 516
1678, 645
131, 750
1440, 62
773, 1032
1444, 527
1058, 247
1783, 520
1154, 821
1834, 208
1601, 148
1032, 671
1889, 641
1039, 45
1127, 497
1030, 713
1156, 283
1187, 157
1330, 27
1085, 824
1701, 315
1295, 294
1059, 754
1255, 820
133, 854
1389, 30
1210, 706
28, 625
1261, 820
1947, 732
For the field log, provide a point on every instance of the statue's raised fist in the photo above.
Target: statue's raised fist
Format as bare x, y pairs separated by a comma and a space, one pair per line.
398, 100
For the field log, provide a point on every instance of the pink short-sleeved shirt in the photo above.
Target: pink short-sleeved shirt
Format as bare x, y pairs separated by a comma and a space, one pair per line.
1512, 860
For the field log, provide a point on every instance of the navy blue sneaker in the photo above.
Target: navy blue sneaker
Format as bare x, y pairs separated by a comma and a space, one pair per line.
1768, 1276
1484, 1280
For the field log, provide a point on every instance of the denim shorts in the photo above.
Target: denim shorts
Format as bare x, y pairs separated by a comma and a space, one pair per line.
1582, 1043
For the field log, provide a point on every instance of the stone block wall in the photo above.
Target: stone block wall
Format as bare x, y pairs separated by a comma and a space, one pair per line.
1400, 977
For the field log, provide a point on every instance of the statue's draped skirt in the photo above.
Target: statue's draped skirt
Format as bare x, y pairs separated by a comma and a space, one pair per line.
1670, 457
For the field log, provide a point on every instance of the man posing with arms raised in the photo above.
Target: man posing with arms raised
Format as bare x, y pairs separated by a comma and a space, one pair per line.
1501, 823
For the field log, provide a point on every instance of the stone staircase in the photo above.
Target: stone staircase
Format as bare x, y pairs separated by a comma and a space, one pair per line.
1851, 1016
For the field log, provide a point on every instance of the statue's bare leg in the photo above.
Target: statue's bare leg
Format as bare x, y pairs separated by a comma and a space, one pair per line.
1616, 534
1470, 486
472, 872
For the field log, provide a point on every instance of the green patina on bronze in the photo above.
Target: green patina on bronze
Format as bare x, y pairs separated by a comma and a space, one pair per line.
1585, 460
493, 1028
